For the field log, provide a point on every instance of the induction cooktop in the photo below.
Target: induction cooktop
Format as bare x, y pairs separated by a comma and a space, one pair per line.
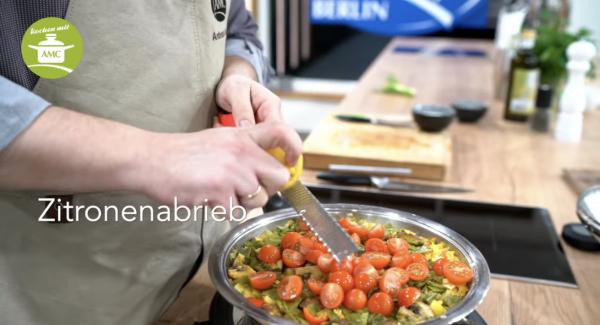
518, 242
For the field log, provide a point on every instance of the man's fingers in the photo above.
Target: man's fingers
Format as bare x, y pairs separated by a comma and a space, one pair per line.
277, 135
266, 104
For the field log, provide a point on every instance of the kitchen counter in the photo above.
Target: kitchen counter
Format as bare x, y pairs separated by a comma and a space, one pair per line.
502, 161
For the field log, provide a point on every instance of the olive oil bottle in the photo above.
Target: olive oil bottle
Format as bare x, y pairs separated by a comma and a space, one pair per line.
523, 80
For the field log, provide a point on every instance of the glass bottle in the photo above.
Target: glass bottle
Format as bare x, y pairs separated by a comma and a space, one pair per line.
523, 81
540, 121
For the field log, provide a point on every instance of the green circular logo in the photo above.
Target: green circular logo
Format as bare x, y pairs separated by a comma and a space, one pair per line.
52, 48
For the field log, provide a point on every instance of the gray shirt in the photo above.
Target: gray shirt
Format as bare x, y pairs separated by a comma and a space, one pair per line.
19, 107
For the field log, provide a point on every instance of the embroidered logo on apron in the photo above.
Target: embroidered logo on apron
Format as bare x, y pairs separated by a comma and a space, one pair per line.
219, 9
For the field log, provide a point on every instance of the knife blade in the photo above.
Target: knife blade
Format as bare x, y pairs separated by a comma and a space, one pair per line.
384, 183
361, 118
325, 227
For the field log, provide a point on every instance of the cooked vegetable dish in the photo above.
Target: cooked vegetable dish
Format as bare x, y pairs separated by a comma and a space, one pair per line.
401, 278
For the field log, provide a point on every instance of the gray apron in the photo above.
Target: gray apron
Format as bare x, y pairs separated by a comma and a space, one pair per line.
152, 64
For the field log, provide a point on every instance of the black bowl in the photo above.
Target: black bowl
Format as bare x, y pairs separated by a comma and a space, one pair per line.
469, 110
432, 118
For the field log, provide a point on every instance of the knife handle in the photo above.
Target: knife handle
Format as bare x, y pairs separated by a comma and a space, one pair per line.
345, 179
227, 120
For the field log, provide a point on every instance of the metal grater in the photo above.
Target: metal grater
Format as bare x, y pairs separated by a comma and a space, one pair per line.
325, 227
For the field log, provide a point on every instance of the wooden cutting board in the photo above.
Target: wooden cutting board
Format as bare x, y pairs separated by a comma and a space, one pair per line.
582, 179
428, 155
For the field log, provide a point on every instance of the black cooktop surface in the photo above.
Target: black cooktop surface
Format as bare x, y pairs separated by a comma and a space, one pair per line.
518, 242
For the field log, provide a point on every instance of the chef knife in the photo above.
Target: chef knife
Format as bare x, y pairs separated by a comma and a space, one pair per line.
384, 183
362, 118
323, 225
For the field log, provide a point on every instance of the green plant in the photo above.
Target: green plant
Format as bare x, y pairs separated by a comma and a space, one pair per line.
551, 47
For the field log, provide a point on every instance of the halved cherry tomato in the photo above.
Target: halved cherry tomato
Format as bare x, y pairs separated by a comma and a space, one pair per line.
376, 245
302, 225
326, 262
377, 259
320, 246
318, 319
381, 303
315, 286
303, 245
355, 300
347, 265
290, 287
392, 280
262, 280
292, 258
332, 295
256, 302
290, 239
397, 245
365, 282
364, 266
269, 254
419, 258
362, 232
345, 223
408, 296
355, 238
438, 266
377, 232
343, 278
313, 256
401, 260
458, 273
417, 271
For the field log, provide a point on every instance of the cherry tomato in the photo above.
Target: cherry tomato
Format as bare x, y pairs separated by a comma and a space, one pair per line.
313, 256
343, 278
320, 246
345, 223
365, 282
290, 287
262, 280
381, 303
332, 295
377, 259
362, 232
364, 266
408, 296
377, 232
419, 258
312, 319
438, 266
458, 273
290, 239
292, 258
417, 271
355, 238
315, 286
355, 300
326, 262
302, 225
376, 245
401, 260
392, 280
256, 302
397, 245
269, 254
347, 265
303, 245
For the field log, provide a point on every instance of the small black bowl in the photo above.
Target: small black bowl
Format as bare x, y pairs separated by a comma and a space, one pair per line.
432, 118
469, 111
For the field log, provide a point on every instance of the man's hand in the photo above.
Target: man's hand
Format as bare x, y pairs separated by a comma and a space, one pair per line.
247, 99
219, 164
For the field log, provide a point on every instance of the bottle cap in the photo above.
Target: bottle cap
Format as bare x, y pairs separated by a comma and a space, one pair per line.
544, 96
